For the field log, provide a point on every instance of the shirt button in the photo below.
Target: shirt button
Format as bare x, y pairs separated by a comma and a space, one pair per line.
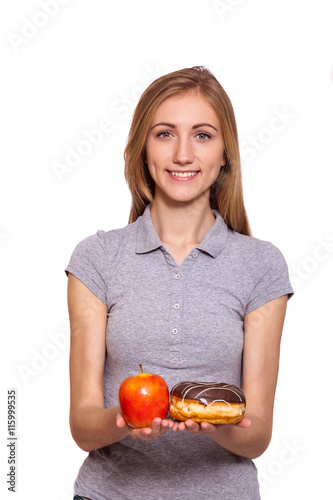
176, 306
195, 254
174, 331
177, 276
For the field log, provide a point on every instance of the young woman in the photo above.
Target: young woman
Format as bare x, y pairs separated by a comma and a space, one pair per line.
185, 290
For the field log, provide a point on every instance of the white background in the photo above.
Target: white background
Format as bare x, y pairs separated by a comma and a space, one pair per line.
67, 68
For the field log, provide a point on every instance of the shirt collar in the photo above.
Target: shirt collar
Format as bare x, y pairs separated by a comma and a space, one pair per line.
216, 237
147, 238
213, 243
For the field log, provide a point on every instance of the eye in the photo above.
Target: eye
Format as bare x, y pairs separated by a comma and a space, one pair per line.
164, 134
203, 136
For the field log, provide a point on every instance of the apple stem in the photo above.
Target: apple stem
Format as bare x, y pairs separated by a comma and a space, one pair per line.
141, 368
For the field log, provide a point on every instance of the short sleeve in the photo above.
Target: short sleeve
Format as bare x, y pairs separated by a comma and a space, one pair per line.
88, 264
272, 280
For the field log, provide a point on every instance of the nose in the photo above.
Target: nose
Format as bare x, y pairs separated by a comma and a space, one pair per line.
183, 153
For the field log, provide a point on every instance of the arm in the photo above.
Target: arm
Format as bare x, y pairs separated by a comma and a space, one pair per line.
262, 336
92, 425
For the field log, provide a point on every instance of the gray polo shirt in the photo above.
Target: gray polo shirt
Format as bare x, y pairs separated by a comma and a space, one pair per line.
183, 323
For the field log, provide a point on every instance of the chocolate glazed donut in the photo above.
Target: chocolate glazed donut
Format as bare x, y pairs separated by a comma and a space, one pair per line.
216, 403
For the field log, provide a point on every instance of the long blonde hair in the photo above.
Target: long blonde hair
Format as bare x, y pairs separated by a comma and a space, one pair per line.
226, 193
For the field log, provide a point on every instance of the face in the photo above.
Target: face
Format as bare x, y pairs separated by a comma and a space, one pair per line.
184, 149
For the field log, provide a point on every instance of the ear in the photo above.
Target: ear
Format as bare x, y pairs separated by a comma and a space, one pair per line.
224, 159
144, 157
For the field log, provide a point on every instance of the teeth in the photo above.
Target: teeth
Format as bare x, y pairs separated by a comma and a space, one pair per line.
183, 174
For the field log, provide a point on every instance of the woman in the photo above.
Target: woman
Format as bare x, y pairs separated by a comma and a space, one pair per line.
185, 290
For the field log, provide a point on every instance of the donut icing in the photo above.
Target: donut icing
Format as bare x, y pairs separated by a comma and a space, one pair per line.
208, 393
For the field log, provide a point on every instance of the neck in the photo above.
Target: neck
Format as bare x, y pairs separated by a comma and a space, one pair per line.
181, 225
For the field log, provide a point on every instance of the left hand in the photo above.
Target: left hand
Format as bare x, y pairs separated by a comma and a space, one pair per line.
206, 428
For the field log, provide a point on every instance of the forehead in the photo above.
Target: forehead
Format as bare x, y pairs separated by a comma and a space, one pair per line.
190, 108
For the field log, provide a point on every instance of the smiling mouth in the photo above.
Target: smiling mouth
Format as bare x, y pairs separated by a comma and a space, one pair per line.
183, 174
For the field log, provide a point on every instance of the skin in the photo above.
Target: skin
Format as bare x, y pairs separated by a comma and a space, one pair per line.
185, 136
181, 216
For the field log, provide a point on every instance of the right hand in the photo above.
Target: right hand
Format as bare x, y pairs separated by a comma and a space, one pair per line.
157, 428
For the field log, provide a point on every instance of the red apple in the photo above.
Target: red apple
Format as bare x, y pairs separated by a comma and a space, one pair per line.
143, 398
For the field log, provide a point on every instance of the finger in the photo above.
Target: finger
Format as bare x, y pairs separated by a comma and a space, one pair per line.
167, 424
246, 422
120, 422
156, 427
192, 427
175, 425
143, 433
152, 432
160, 427
180, 426
156, 423
207, 428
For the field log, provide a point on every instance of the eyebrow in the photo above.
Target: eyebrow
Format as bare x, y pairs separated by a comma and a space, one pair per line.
171, 125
